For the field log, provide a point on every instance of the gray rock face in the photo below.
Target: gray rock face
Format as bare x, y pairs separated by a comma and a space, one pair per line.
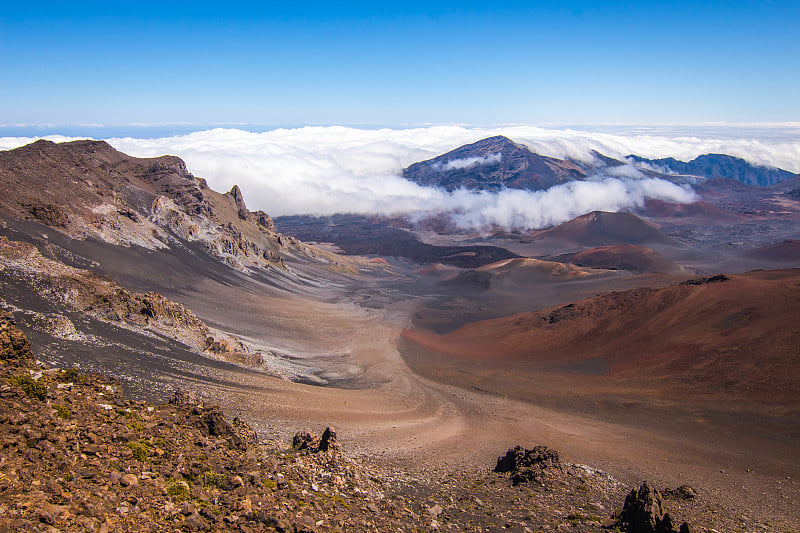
493, 164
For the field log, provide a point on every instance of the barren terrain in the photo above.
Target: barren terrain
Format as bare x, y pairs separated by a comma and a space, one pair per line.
639, 368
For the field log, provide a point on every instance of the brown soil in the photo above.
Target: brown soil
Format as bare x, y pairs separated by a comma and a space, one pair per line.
630, 257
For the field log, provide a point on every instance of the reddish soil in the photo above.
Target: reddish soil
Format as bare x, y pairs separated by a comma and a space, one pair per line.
788, 250
706, 375
630, 257
734, 337
695, 212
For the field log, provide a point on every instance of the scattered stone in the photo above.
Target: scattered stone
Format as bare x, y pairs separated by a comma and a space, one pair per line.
128, 480
435, 511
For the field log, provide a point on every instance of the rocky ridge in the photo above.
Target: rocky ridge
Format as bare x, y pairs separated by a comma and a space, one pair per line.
87, 189
712, 166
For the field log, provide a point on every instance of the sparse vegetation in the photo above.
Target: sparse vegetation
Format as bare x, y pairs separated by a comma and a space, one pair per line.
179, 490
62, 411
141, 451
31, 387
136, 425
70, 375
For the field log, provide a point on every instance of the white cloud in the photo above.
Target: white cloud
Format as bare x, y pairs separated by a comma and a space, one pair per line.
467, 162
325, 170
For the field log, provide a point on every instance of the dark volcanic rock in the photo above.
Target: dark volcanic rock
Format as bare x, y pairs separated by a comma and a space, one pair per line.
493, 164
48, 214
529, 465
643, 513
305, 440
720, 166
361, 235
718, 278
328, 441
309, 441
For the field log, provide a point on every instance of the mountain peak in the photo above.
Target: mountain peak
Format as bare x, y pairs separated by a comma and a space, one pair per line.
493, 163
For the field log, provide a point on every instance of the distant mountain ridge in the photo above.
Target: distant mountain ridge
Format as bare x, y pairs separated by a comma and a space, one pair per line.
497, 163
492, 164
718, 166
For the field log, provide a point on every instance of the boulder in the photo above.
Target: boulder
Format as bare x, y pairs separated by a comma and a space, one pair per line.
329, 441
306, 440
529, 465
684, 492
14, 344
643, 513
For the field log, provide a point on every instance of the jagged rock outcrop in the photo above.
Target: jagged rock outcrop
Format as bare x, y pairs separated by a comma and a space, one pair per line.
87, 189
525, 465
643, 513
14, 345
306, 440
329, 442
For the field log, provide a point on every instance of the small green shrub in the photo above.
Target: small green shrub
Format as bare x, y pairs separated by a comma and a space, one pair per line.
62, 411
210, 479
135, 425
140, 449
34, 389
70, 375
179, 490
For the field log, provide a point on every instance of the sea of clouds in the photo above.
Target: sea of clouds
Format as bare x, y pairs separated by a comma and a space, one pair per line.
335, 169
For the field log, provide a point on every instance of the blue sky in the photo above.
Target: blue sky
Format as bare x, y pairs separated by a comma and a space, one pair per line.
398, 64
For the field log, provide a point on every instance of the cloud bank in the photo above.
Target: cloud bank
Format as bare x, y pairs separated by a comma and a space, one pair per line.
326, 170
